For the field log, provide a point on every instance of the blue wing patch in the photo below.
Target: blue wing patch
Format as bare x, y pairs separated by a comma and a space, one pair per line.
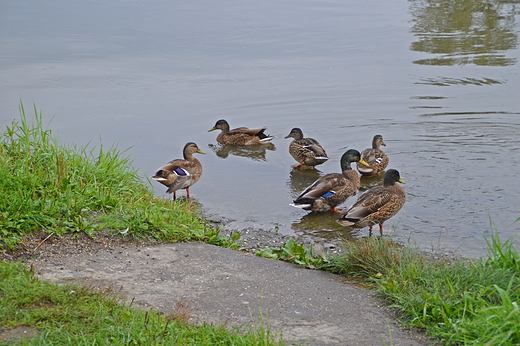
327, 194
180, 171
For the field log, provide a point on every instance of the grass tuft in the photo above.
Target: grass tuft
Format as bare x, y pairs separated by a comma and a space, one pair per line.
469, 302
52, 187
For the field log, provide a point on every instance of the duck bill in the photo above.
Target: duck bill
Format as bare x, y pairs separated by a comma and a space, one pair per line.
363, 162
401, 181
200, 152
212, 129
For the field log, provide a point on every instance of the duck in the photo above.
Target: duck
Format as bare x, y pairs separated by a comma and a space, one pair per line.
331, 190
240, 135
306, 151
375, 157
181, 173
377, 204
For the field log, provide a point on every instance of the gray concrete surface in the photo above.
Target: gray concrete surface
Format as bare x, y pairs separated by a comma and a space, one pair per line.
226, 286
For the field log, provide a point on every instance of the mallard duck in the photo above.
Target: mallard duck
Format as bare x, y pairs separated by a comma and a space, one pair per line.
375, 157
306, 151
376, 205
241, 135
181, 174
332, 189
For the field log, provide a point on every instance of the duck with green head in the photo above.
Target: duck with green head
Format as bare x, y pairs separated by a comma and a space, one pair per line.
181, 173
332, 189
240, 135
306, 151
376, 205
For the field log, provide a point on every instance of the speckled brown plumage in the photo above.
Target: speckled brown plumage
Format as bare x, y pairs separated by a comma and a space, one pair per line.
306, 151
181, 173
241, 135
376, 205
332, 189
375, 157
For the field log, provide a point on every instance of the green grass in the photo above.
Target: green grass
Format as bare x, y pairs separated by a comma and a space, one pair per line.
60, 189
76, 315
48, 186
293, 252
461, 302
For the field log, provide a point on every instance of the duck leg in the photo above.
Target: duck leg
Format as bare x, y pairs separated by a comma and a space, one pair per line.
298, 165
188, 192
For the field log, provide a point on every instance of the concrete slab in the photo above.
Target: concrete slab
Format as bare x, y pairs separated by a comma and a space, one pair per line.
226, 286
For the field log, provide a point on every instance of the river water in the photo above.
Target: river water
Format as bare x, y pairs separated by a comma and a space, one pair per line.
438, 79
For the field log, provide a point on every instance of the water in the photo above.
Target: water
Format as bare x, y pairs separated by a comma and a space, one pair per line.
438, 79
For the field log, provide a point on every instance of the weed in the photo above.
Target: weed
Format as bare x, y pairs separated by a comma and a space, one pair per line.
294, 253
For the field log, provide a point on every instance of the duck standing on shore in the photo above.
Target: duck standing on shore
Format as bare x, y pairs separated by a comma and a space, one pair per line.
376, 205
181, 173
306, 151
240, 135
332, 189
375, 157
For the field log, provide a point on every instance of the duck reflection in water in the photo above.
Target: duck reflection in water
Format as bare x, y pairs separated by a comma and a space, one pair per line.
322, 225
368, 182
299, 180
253, 152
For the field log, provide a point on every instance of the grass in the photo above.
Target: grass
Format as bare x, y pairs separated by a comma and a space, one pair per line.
48, 186
293, 252
61, 190
78, 315
460, 302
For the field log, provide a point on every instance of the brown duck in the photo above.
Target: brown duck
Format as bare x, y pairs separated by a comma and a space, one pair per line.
241, 135
332, 189
181, 174
306, 151
376, 205
375, 157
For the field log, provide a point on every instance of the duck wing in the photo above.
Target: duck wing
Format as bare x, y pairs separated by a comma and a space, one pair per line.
247, 130
323, 187
314, 146
175, 174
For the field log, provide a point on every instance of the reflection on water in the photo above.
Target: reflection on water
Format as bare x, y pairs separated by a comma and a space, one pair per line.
253, 152
300, 179
464, 31
324, 225
444, 81
370, 182
466, 114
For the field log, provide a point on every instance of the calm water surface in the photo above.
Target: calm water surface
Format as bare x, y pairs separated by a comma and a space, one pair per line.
438, 79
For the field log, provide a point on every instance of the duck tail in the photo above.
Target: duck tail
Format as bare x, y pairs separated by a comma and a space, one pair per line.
301, 206
266, 139
160, 175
